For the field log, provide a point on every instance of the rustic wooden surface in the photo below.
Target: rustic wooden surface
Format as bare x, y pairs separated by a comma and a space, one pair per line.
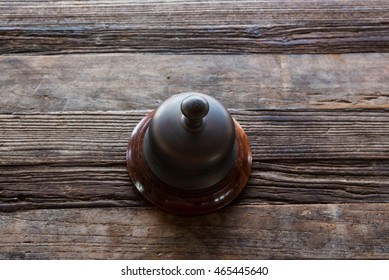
76, 77
266, 26
111, 82
77, 159
260, 231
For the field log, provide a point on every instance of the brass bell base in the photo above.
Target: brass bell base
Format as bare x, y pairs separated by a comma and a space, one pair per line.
178, 201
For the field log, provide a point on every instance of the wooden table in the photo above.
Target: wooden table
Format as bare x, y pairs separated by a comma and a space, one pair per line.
307, 80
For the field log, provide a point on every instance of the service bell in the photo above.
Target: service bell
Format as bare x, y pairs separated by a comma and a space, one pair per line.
189, 156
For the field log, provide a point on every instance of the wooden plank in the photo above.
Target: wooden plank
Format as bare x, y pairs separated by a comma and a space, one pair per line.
40, 26
77, 159
245, 232
136, 81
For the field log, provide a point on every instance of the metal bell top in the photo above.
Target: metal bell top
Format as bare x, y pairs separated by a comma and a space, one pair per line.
190, 141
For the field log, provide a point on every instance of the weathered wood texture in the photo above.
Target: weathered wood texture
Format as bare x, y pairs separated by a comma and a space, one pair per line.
268, 26
78, 159
240, 232
318, 125
136, 81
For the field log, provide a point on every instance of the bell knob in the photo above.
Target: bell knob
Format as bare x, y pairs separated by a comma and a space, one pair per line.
194, 108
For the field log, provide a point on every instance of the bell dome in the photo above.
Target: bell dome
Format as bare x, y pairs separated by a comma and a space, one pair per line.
190, 142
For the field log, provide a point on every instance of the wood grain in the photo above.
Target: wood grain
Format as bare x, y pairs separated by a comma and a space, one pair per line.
268, 26
77, 159
245, 232
135, 81
77, 76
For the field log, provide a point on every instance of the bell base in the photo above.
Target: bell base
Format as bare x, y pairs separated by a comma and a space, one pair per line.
178, 201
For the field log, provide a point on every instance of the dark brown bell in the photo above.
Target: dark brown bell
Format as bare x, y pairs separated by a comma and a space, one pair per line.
189, 156
190, 142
